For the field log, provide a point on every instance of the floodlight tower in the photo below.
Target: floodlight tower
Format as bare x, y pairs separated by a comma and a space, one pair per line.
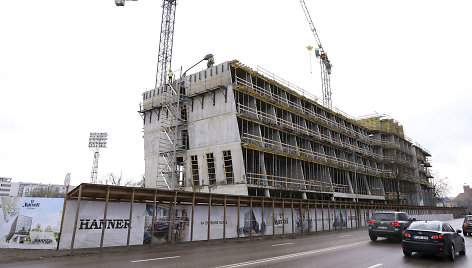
97, 140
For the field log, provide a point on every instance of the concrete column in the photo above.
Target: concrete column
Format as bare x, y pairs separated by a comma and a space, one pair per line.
266, 193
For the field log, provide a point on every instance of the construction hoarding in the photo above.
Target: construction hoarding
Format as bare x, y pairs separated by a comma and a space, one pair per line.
30, 222
159, 216
90, 224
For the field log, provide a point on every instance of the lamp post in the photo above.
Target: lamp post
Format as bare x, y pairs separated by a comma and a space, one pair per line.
207, 57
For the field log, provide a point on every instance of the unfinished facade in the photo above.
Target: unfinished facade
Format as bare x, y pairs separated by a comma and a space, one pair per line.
230, 129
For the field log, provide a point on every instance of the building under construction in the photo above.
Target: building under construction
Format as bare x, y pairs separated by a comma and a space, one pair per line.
231, 129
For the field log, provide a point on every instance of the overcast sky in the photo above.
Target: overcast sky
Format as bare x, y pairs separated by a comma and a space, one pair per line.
68, 68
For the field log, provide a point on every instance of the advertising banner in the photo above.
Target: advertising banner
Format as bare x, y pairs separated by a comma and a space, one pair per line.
280, 220
90, 224
300, 220
30, 222
217, 220
250, 221
350, 219
268, 218
164, 220
363, 216
338, 219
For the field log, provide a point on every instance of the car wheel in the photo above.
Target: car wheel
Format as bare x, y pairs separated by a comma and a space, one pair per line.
373, 237
406, 253
465, 233
452, 253
462, 252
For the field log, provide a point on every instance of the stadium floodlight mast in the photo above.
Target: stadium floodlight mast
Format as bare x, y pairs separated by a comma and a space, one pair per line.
122, 2
97, 141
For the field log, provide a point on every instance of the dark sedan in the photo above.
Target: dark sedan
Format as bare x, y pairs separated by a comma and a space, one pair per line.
433, 237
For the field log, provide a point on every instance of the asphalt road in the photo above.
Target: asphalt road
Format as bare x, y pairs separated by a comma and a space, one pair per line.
331, 249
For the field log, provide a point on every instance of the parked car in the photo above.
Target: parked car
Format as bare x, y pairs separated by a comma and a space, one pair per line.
388, 224
467, 225
433, 237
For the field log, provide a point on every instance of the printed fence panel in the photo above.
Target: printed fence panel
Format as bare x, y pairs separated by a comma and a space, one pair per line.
30, 222
279, 220
90, 224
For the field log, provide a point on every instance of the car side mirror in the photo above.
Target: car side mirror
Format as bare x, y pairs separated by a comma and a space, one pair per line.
458, 231
412, 219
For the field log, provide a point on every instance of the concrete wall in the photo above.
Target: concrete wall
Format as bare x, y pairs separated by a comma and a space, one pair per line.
151, 149
214, 129
211, 124
431, 217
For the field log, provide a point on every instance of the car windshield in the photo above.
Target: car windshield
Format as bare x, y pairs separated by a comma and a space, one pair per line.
384, 216
426, 226
469, 218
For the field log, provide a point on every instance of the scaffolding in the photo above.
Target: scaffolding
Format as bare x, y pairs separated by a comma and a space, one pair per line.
165, 103
283, 142
292, 142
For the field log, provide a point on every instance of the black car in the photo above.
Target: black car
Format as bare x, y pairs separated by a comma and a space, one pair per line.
388, 224
467, 225
433, 237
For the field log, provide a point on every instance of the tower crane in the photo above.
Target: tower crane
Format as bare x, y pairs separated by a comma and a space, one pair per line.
322, 56
166, 41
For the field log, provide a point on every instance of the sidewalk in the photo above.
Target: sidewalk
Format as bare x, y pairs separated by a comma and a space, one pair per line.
9, 255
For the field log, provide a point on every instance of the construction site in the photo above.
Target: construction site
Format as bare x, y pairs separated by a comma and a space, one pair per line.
230, 129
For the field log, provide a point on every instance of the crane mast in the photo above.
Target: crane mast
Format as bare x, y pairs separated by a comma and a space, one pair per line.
166, 41
322, 56
170, 141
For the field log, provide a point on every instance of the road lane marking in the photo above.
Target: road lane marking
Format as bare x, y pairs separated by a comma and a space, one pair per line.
345, 235
290, 255
376, 265
283, 244
155, 259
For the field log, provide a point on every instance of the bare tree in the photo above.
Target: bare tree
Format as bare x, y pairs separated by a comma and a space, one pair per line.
113, 179
441, 187
140, 182
44, 191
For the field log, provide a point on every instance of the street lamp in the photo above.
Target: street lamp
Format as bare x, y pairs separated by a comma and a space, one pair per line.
207, 57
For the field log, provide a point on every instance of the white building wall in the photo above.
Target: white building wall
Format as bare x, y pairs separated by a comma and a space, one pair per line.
15, 187
209, 126
151, 149
5, 188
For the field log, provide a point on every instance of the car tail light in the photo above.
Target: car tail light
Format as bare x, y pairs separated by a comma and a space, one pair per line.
437, 236
395, 223
465, 224
371, 222
406, 234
